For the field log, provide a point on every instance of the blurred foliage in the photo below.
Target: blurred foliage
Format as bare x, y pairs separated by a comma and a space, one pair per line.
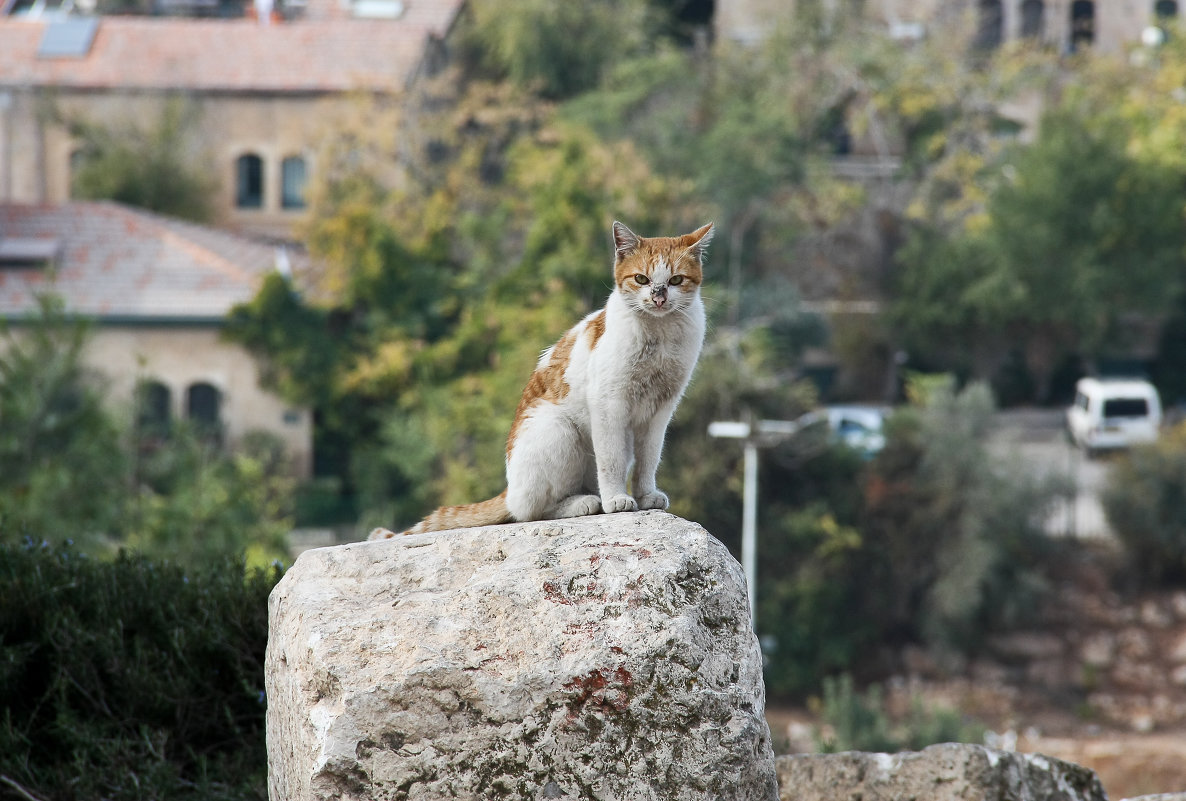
556, 49
440, 291
197, 503
1168, 370
64, 469
933, 541
1144, 501
153, 166
956, 534
1043, 247
852, 721
453, 254
743, 128
71, 471
131, 679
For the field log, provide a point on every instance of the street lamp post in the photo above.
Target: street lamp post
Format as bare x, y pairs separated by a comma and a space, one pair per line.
762, 434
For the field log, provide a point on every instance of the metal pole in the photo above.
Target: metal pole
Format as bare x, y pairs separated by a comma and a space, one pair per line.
749, 528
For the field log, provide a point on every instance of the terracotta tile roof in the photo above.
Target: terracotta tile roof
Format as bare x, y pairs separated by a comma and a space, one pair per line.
231, 55
115, 262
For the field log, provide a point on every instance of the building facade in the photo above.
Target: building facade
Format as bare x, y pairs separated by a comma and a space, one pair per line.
258, 96
157, 292
1109, 26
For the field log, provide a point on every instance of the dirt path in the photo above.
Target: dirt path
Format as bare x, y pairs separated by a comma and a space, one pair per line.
1128, 764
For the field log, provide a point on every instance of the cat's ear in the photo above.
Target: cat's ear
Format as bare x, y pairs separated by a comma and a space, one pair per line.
625, 241
698, 241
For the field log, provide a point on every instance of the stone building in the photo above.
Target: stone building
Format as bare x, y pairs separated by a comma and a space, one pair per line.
261, 91
1107, 25
157, 291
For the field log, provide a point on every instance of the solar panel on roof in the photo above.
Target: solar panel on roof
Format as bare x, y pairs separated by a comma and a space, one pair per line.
68, 37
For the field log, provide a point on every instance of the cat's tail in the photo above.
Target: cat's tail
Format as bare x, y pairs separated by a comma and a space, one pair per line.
486, 513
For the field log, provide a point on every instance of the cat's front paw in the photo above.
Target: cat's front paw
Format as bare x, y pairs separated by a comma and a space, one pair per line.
653, 500
619, 503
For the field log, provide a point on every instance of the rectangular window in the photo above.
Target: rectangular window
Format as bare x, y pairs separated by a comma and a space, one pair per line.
1126, 407
249, 182
293, 179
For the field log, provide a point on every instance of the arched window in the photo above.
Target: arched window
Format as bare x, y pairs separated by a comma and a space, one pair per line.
249, 181
293, 177
1082, 24
1033, 19
154, 409
203, 404
991, 25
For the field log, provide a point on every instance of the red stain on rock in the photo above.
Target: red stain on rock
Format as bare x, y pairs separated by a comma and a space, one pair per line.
599, 692
554, 593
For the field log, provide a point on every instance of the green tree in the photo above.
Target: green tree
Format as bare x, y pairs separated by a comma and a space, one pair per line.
71, 473
954, 537
154, 167
741, 129
198, 504
65, 472
1045, 246
1144, 499
557, 49
442, 288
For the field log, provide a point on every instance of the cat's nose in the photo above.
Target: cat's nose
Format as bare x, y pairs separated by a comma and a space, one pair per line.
659, 296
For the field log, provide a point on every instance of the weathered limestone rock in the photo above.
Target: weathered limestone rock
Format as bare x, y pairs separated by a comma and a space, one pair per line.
949, 772
607, 657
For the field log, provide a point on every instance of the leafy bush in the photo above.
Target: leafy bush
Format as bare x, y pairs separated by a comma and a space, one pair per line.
1145, 501
854, 722
63, 468
559, 49
810, 598
942, 545
131, 679
69, 471
954, 536
196, 501
157, 167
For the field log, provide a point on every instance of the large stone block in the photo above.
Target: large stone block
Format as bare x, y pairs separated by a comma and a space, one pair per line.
606, 657
949, 772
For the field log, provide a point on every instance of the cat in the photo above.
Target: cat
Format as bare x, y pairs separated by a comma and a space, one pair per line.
600, 399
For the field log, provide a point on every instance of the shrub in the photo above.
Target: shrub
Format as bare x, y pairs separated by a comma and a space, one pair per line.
943, 545
854, 722
954, 542
809, 602
131, 679
1145, 501
61, 465
558, 49
196, 501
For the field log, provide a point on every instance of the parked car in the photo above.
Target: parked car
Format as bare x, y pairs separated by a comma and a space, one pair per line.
1110, 414
859, 427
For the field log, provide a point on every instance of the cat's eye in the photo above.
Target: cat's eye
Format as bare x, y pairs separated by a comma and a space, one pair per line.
676, 280
642, 279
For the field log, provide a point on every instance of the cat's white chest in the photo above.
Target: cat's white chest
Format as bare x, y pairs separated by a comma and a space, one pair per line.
644, 364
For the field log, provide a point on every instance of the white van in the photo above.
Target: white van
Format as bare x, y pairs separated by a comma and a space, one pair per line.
1113, 413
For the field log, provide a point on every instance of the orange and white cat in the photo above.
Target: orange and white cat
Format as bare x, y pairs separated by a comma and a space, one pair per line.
600, 399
